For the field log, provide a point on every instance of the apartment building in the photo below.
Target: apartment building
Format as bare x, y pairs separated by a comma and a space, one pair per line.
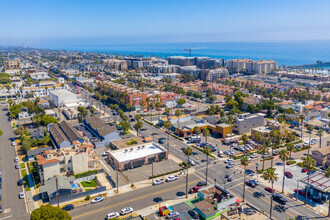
41, 89
39, 75
11, 64
250, 66
245, 122
115, 64
77, 160
215, 74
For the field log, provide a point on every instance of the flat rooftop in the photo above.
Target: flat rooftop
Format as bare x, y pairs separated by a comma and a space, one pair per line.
137, 152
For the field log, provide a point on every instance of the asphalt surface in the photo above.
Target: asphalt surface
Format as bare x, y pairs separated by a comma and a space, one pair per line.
137, 199
12, 206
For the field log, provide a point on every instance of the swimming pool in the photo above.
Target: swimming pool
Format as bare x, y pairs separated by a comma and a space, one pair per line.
75, 186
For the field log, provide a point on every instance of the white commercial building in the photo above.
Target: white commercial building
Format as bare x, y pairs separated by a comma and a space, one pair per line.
62, 97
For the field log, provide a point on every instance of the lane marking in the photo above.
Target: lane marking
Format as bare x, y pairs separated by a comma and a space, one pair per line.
9, 216
141, 197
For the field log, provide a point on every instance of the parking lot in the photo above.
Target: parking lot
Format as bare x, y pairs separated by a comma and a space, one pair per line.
182, 209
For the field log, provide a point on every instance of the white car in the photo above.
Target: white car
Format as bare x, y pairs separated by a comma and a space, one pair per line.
97, 199
21, 195
254, 155
158, 182
126, 211
112, 215
192, 163
171, 178
172, 215
229, 160
16, 159
13, 143
105, 153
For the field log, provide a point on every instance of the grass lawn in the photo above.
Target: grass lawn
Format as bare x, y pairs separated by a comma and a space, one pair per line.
22, 165
91, 184
87, 190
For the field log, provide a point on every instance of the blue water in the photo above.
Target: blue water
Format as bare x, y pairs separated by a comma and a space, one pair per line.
285, 53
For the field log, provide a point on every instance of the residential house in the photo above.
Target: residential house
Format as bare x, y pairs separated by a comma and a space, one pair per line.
50, 188
322, 156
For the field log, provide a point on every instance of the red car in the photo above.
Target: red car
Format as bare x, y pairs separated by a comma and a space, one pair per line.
194, 189
269, 189
288, 174
304, 170
300, 192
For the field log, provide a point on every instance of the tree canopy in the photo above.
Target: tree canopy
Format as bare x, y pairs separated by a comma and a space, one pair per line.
49, 212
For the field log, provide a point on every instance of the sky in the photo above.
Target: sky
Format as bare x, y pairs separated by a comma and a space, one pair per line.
92, 22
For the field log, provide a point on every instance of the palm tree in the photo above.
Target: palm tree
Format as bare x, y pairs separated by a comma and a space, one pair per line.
258, 139
302, 118
148, 100
244, 138
271, 177
188, 152
197, 131
275, 138
168, 125
206, 133
244, 162
178, 113
10, 101
167, 113
283, 156
138, 126
289, 147
309, 163
264, 149
138, 117
207, 151
320, 133
310, 129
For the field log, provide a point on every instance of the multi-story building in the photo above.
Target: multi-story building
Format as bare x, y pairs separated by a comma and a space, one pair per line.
41, 89
58, 162
62, 97
11, 64
181, 60
39, 75
245, 122
116, 64
251, 67
215, 74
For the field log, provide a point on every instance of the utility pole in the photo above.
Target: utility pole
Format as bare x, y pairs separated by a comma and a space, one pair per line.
58, 195
117, 180
152, 170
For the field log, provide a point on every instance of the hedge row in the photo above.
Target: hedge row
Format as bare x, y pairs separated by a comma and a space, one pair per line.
202, 150
87, 173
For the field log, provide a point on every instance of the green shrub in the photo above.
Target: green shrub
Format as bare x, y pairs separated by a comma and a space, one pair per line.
163, 174
291, 162
300, 164
88, 197
87, 173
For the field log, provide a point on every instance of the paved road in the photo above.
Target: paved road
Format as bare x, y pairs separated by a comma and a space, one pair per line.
137, 199
12, 206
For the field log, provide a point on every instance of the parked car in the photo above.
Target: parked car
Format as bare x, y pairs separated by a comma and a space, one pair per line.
13, 143
318, 200
112, 215
288, 174
201, 183
20, 182
304, 170
172, 215
105, 153
297, 146
161, 141
229, 160
193, 214
254, 181
16, 159
254, 155
68, 207
126, 211
269, 189
279, 198
309, 172
230, 165
158, 182
300, 192
21, 195
17, 166
194, 189
171, 178
259, 194
97, 199
251, 184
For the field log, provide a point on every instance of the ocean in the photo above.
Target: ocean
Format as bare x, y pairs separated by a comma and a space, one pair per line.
285, 53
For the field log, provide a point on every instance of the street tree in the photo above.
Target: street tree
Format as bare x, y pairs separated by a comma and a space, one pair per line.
271, 176
49, 212
284, 154
138, 125
244, 162
310, 129
82, 112
206, 133
207, 151
302, 118
168, 126
178, 114
320, 134
187, 152
308, 163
